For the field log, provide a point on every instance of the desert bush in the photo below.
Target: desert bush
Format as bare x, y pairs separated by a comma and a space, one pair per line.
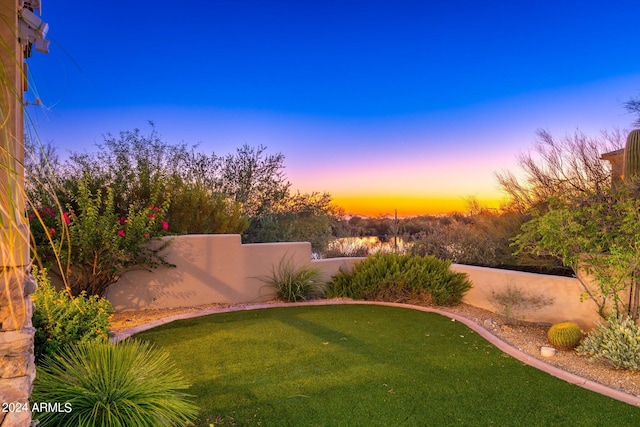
143, 170
61, 320
616, 343
126, 384
511, 301
92, 246
401, 278
296, 217
196, 210
564, 335
293, 283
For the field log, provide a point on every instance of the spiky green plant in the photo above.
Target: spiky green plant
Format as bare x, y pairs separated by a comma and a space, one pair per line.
632, 156
127, 384
564, 336
293, 283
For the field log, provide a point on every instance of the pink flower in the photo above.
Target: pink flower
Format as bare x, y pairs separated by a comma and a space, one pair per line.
151, 217
151, 207
65, 217
52, 231
121, 233
122, 220
165, 224
31, 217
146, 235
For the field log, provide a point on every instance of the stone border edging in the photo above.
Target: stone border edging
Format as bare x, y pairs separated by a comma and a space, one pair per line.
501, 345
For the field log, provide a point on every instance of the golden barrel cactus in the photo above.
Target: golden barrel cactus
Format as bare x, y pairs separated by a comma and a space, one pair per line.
565, 335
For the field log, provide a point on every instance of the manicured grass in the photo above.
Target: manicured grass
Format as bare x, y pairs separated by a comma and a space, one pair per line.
357, 365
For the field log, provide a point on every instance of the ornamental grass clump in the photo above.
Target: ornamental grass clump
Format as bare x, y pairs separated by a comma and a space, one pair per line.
401, 278
616, 343
127, 384
293, 283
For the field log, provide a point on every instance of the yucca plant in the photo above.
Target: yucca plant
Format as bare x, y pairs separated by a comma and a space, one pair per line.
118, 385
293, 283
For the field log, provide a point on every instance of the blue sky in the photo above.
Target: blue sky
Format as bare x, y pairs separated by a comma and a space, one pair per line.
400, 103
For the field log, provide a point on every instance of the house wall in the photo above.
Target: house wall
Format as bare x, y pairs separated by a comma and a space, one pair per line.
220, 269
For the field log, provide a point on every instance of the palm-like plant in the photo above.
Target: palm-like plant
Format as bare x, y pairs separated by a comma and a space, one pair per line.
126, 384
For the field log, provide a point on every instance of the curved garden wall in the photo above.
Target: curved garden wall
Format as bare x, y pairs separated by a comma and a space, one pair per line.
220, 269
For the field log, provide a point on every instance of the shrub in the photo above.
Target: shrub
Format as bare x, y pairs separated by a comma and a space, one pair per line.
617, 343
401, 278
295, 284
126, 384
61, 319
197, 210
512, 300
564, 336
94, 244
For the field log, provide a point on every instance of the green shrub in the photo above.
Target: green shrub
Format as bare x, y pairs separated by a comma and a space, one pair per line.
564, 336
401, 278
61, 319
94, 244
617, 343
126, 384
295, 284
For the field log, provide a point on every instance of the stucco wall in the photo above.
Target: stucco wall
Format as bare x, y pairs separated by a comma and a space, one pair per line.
209, 269
565, 292
220, 269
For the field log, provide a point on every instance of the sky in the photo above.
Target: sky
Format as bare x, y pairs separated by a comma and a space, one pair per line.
407, 105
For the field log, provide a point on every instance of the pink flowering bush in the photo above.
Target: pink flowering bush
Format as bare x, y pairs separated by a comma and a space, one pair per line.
91, 245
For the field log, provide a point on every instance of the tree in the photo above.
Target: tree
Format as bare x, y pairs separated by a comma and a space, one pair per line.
600, 237
579, 217
561, 168
307, 217
633, 107
254, 179
42, 170
141, 170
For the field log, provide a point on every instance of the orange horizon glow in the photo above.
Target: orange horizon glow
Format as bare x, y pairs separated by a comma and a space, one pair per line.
406, 206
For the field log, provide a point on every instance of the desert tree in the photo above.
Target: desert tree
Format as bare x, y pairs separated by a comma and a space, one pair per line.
633, 107
579, 217
566, 168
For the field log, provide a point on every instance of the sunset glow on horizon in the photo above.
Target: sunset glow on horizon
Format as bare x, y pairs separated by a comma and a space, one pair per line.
409, 106
405, 207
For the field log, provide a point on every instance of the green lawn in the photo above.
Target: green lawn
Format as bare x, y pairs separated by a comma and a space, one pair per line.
363, 365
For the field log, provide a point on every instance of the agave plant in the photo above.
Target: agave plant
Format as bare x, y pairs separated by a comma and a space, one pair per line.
100, 384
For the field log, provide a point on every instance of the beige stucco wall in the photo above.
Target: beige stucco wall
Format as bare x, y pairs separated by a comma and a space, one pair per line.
209, 269
565, 292
220, 269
